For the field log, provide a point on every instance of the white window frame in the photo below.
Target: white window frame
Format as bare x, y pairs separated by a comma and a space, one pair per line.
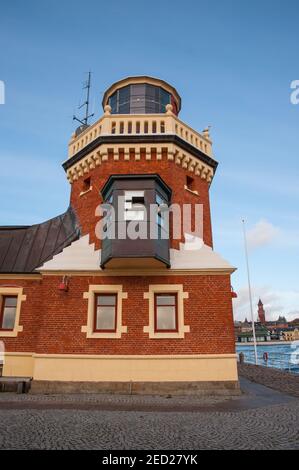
90, 296
181, 296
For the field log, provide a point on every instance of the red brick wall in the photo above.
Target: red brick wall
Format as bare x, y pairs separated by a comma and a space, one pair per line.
52, 319
172, 174
31, 312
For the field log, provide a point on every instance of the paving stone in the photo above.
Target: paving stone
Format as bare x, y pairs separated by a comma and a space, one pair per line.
121, 422
274, 378
269, 428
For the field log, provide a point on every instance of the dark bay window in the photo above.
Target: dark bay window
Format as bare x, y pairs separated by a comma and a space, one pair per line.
166, 313
147, 237
8, 312
105, 313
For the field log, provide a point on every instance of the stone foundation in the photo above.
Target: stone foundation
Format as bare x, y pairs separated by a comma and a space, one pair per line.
225, 388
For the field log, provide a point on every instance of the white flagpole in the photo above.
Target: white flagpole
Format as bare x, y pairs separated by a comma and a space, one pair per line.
250, 293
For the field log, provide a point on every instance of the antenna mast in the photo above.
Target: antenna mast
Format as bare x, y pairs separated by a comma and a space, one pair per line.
86, 87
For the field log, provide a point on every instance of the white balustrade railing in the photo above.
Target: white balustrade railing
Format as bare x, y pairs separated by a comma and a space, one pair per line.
145, 124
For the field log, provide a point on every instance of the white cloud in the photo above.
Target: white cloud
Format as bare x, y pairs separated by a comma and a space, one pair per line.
263, 233
275, 302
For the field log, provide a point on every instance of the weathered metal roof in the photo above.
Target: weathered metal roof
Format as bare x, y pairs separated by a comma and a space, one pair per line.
25, 248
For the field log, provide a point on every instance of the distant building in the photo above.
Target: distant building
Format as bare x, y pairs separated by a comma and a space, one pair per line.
277, 330
261, 313
291, 335
261, 333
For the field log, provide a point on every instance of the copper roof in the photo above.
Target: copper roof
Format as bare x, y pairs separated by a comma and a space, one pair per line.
25, 248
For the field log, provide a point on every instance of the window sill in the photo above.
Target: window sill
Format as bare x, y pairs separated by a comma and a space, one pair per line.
96, 335
167, 335
191, 191
85, 192
11, 333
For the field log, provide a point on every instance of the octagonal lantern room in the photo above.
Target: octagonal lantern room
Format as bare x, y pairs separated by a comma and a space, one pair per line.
141, 95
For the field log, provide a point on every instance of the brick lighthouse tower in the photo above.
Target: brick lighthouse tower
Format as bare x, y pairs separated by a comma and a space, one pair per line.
152, 312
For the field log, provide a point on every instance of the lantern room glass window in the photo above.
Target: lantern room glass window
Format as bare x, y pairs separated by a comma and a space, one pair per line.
166, 316
8, 312
139, 99
105, 313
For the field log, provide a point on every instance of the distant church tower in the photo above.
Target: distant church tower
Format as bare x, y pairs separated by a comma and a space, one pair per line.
261, 313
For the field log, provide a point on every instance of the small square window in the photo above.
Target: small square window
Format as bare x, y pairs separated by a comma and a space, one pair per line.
8, 312
190, 183
86, 184
105, 313
166, 317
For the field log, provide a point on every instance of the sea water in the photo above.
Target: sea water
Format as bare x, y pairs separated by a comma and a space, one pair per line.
281, 356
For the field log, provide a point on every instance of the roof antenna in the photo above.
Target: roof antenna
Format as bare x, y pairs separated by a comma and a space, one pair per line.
84, 121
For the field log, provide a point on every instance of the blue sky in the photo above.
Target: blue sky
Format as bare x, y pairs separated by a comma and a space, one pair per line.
232, 62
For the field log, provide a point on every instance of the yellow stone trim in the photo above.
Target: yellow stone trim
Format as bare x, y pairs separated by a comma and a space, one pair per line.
175, 154
18, 364
85, 192
17, 353
191, 191
90, 296
172, 126
18, 291
162, 288
120, 368
20, 276
130, 356
137, 369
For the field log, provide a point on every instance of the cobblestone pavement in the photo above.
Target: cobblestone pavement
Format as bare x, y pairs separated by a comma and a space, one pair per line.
259, 419
273, 378
273, 427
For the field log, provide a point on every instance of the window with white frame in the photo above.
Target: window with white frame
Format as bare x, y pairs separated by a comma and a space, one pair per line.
166, 311
104, 311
